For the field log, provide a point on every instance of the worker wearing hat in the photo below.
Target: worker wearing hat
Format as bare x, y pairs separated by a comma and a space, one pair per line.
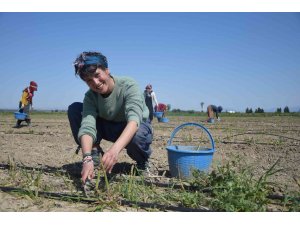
25, 103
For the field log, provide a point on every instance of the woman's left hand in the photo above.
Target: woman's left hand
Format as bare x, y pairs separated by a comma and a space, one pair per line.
109, 159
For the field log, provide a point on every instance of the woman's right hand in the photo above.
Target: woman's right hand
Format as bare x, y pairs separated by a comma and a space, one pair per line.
87, 171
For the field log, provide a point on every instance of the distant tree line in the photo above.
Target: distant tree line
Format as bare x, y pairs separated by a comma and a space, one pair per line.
248, 110
57, 110
179, 110
261, 110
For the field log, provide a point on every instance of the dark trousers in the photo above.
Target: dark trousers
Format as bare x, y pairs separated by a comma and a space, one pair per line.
138, 148
148, 101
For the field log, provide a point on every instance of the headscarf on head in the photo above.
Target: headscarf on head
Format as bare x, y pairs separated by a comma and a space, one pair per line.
33, 86
85, 60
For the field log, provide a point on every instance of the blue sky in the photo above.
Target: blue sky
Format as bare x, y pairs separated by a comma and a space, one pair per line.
236, 60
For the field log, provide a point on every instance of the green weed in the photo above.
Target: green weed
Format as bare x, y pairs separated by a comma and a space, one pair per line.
236, 190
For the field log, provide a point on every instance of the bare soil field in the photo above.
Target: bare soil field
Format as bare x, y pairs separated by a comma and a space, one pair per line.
48, 146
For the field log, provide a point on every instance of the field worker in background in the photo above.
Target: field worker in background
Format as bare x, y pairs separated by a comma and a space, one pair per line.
113, 109
161, 108
150, 98
211, 109
25, 104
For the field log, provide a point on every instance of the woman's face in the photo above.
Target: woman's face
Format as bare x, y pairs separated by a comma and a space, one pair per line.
100, 81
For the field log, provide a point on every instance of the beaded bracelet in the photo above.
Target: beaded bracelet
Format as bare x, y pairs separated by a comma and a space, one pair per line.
87, 159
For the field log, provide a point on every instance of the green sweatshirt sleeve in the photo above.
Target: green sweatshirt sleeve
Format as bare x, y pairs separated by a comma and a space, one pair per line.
89, 115
134, 102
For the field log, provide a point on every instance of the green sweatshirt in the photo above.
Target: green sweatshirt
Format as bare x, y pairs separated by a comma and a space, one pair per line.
125, 103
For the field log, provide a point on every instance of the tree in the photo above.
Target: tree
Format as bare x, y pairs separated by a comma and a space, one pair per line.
249, 110
286, 109
259, 110
176, 110
202, 104
278, 110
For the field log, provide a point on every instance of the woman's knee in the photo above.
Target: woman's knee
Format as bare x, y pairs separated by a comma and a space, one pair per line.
143, 137
75, 107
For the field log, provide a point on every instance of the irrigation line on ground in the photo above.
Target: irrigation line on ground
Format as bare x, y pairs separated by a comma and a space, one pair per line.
166, 138
47, 169
122, 202
232, 129
259, 133
231, 142
247, 143
31, 132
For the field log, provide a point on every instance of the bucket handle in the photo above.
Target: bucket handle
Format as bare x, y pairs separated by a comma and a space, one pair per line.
192, 124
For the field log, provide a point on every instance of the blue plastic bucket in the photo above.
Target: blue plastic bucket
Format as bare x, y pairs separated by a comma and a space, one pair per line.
158, 114
163, 120
184, 159
20, 116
